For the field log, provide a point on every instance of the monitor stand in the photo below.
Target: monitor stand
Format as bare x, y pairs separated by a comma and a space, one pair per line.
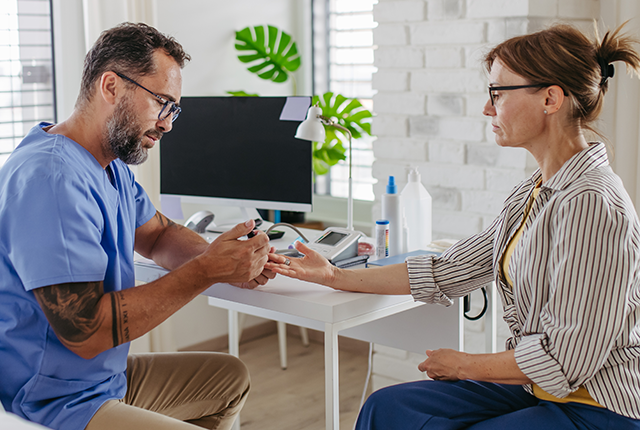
227, 221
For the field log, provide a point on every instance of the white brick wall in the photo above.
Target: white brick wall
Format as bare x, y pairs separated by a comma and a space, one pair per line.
387, 57
391, 34
390, 80
399, 11
401, 148
400, 103
431, 89
446, 152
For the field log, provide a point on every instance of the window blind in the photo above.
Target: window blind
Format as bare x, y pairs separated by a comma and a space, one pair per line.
343, 63
26, 70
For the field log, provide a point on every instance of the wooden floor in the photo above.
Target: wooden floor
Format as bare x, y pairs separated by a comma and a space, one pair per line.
293, 399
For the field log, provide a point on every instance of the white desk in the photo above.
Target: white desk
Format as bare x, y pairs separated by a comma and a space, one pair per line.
395, 321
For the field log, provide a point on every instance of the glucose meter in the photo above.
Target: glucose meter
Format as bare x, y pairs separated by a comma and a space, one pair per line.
336, 244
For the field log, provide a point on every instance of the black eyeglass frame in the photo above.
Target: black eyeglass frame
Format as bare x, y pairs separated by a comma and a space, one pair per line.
173, 109
513, 87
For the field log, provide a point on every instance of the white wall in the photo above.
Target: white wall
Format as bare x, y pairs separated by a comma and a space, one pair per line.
622, 102
207, 28
69, 53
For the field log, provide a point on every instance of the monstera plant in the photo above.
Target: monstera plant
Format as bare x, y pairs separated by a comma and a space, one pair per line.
273, 55
350, 114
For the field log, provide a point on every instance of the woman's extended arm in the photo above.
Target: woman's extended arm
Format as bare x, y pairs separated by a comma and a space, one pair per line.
313, 267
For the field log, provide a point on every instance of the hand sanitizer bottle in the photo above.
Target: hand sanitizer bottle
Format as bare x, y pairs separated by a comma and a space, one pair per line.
391, 212
416, 203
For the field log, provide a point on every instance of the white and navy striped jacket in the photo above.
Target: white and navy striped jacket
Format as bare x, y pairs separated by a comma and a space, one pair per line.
575, 305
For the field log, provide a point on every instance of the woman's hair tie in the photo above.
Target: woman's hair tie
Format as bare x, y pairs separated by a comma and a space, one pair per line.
606, 70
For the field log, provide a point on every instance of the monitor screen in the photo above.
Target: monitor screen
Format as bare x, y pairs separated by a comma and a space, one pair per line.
238, 151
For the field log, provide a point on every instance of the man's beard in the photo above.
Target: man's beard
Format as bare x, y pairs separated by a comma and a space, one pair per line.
124, 135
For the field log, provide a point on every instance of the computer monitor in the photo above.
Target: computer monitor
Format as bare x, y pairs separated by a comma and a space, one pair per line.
239, 151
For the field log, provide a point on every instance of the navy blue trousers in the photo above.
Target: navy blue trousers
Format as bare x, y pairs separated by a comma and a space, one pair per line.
475, 405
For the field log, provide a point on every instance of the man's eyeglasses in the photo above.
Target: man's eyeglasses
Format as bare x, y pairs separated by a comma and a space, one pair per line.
493, 89
168, 107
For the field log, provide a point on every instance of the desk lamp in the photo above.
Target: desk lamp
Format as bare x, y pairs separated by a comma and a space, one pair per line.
312, 129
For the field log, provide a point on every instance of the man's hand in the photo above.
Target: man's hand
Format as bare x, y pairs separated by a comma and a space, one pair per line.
232, 260
262, 279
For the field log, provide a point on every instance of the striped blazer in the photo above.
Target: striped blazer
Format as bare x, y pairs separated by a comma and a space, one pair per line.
574, 309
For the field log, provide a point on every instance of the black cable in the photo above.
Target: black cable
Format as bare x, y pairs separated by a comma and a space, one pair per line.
467, 306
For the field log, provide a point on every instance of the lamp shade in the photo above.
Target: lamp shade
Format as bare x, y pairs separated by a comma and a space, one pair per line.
312, 128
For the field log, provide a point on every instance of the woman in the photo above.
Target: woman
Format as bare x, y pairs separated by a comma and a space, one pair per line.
564, 253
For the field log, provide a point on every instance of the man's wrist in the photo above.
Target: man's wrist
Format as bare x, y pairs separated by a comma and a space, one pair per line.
201, 269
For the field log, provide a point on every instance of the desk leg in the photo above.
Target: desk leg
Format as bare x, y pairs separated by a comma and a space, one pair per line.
234, 348
491, 319
331, 382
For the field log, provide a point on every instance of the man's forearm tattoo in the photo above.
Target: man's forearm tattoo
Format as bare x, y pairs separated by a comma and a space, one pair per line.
164, 221
72, 309
120, 318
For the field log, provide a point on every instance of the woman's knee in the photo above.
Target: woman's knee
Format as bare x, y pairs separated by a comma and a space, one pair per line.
384, 398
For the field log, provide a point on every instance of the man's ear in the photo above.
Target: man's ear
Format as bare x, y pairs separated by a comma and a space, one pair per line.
554, 98
110, 86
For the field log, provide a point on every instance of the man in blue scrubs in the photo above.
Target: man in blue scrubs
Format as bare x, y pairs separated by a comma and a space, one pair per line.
72, 216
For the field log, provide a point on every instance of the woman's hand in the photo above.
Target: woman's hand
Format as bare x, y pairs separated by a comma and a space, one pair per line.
313, 267
451, 365
443, 364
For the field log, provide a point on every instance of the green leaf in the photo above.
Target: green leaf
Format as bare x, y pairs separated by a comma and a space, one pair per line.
272, 53
349, 113
327, 154
320, 167
241, 94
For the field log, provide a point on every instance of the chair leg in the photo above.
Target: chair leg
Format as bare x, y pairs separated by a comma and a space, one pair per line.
282, 343
304, 335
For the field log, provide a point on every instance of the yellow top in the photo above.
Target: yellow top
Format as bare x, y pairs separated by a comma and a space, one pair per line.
506, 257
581, 395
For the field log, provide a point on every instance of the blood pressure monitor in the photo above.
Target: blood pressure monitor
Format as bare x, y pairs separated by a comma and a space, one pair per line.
336, 244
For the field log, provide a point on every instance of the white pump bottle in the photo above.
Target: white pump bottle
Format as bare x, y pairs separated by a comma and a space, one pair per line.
416, 203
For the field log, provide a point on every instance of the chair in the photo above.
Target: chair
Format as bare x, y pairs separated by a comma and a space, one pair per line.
282, 338
14, 422
282, 341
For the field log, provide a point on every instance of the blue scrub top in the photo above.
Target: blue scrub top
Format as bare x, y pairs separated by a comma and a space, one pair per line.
61, 220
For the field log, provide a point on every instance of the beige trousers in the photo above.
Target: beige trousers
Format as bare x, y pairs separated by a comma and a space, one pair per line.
181, 391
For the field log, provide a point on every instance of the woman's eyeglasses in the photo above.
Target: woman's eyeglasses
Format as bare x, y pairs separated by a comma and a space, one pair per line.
493, 89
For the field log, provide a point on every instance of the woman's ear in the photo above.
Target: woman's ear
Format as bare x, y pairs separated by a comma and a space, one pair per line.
110, 85
554, 99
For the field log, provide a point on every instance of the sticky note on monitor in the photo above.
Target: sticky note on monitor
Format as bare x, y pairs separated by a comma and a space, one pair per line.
171, 206
295, 109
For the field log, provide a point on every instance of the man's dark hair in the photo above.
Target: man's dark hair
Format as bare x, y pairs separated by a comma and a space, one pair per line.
128, 49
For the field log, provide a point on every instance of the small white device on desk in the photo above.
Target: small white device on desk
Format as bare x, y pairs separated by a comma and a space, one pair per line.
336, 244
